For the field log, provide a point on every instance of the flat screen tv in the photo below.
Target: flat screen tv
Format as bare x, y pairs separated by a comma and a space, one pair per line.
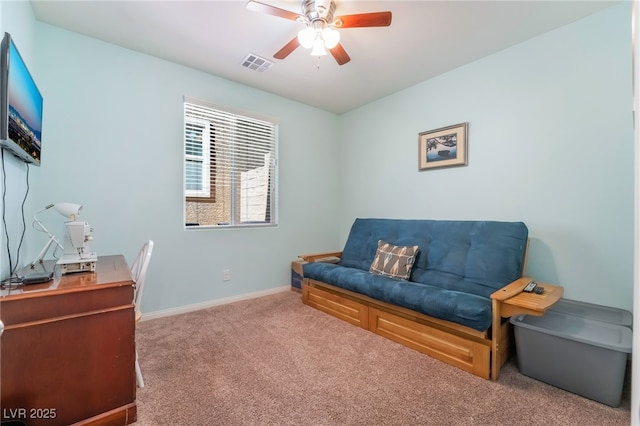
20, 106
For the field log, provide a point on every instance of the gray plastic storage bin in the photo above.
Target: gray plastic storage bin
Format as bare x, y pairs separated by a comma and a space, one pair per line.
577, 354
594, 312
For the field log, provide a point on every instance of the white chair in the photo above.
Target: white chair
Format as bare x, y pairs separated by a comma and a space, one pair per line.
139, 272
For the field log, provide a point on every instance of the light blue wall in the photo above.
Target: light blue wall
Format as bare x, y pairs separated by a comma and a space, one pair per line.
550, 144
113, 141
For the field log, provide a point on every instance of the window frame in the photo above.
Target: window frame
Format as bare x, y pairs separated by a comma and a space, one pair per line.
210, 153
207, 192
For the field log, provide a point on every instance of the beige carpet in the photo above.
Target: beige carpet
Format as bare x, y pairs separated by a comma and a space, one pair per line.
274, 361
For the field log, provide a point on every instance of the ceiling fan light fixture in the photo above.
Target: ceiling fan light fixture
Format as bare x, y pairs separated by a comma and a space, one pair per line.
306, 37
321, 22
331, 37
318, 47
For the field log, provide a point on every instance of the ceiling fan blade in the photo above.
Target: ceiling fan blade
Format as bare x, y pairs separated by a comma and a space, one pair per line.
287, 49
271, 10
340, 54
374, 19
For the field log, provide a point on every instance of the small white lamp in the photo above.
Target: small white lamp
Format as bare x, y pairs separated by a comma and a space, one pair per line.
69, 210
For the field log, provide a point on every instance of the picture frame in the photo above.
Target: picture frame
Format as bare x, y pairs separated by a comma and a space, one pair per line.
443, 147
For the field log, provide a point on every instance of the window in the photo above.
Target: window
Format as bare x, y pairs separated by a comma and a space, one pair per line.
229, 168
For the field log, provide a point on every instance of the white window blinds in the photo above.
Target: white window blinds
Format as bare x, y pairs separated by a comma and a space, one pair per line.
229, 168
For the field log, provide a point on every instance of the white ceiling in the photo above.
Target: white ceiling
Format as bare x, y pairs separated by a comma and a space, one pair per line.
426, 38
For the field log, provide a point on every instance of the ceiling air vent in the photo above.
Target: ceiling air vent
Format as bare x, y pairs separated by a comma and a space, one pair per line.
256, 63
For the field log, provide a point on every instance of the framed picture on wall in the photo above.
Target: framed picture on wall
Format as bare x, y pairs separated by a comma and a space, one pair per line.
443, 147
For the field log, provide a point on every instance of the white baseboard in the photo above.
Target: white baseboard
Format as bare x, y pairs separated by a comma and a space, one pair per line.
203, 305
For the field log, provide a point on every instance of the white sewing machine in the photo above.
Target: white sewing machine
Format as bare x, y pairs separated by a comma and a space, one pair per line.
77, 256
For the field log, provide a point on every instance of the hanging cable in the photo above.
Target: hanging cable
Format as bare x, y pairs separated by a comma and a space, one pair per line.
13, 278
4, 214
24, 223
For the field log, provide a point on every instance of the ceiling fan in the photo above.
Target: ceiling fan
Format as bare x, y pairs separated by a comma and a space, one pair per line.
320, 33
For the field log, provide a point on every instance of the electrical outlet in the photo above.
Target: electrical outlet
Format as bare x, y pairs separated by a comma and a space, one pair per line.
226, 275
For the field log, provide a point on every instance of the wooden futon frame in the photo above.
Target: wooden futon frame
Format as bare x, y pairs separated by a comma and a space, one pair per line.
479, 352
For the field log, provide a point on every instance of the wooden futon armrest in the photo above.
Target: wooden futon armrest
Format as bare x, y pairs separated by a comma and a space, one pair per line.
511, 289
322, 257
514, 301
510, 300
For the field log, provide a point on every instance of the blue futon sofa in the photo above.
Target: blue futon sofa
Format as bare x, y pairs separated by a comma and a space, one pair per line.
427, 284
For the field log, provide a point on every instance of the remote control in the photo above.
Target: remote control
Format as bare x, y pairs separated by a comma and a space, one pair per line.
530, 287
539, 290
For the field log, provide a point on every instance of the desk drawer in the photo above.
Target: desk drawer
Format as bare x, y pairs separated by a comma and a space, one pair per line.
69, 369
19, 310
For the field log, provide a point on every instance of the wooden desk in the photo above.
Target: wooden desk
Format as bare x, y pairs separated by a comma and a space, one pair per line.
68, 349
509, 301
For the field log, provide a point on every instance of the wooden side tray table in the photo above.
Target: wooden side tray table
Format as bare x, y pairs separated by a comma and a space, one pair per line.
518, 302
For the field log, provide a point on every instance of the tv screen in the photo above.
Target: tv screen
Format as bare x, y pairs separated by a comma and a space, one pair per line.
20, 106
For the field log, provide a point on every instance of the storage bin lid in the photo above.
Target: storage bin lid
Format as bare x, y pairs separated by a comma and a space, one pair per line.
595, 312
591, 332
